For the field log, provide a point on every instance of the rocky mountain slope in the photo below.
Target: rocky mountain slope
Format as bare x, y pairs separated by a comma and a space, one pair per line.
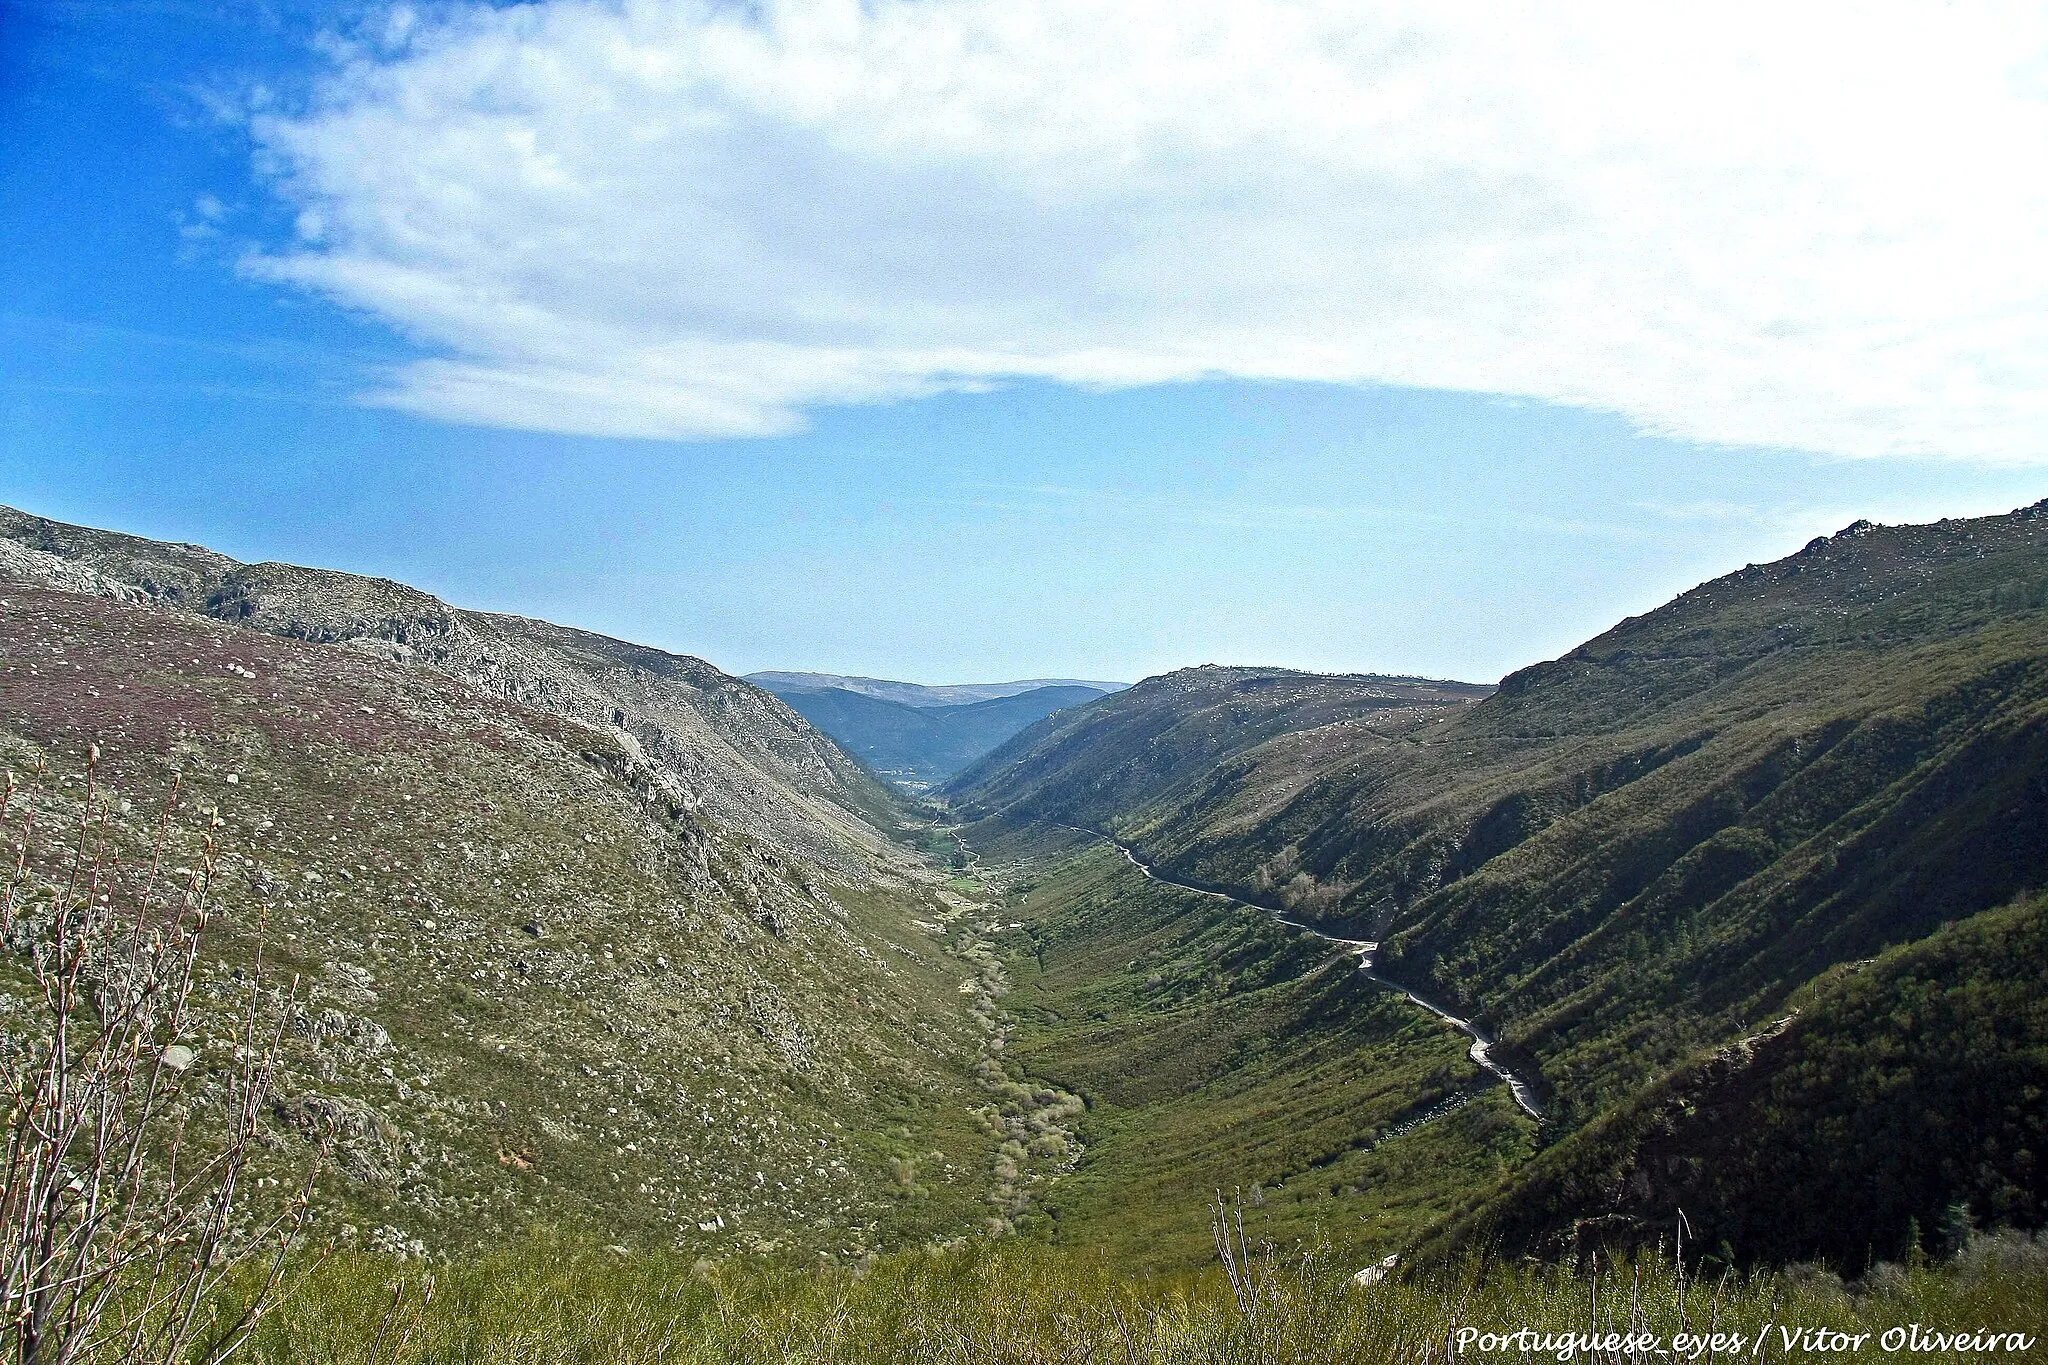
749, 760
1636, 854
583, 933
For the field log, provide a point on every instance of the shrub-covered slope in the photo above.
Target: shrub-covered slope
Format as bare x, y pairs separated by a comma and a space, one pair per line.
1895, 1090
1642, 847
917, 694
1641, 851
544, 976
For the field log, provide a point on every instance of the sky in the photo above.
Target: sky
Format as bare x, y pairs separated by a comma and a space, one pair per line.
963, 340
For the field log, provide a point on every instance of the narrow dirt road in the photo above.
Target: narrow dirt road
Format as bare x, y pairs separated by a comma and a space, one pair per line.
1520, 1087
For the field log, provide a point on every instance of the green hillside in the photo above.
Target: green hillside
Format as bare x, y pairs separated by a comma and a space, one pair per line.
782, 682
1636, 853
1901, 1101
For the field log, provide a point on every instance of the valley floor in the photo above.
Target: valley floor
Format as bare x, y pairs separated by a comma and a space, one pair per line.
1219, 1049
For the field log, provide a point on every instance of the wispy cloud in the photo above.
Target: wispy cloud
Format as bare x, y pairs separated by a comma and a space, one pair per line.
1814, 226
1713, 510
1126, 508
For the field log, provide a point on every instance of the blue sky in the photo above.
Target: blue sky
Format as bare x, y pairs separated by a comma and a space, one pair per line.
354, 286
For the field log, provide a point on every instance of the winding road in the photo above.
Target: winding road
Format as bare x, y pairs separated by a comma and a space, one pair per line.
1520, 1087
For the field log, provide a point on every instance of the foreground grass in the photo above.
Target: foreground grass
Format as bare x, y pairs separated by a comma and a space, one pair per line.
552, 1302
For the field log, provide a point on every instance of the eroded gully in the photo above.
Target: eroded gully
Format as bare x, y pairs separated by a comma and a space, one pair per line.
1482, 1050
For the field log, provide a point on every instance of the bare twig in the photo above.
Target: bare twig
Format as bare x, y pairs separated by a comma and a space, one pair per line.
118, 1224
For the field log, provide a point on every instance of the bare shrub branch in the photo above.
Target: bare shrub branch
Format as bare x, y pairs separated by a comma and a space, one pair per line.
121, 1210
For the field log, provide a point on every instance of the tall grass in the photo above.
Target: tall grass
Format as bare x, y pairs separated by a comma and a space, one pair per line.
556, 1301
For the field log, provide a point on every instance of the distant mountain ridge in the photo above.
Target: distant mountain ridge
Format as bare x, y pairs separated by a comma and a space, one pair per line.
1180, 730
914, 745
783, 684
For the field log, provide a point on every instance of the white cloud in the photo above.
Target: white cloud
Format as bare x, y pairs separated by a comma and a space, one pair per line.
1819, 226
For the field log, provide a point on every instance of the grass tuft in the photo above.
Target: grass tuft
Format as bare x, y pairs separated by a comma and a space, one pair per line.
552, 1300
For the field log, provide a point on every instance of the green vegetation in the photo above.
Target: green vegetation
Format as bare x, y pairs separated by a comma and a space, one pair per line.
1647, 850
1219, 1050
1904, 1101
1178, 739
1011, 1303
